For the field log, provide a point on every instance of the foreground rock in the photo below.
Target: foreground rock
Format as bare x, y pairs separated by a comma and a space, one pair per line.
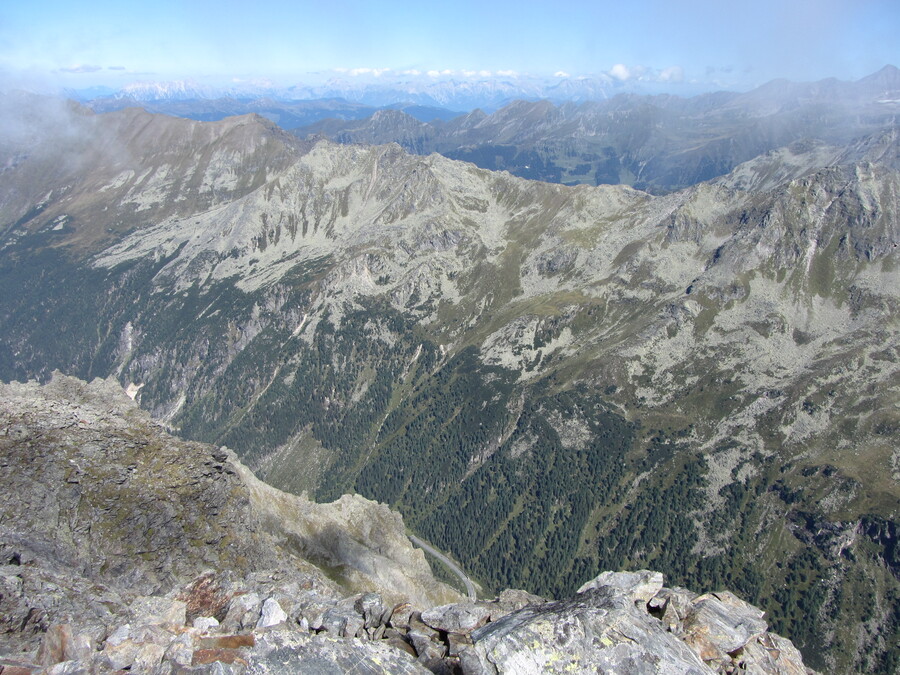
612, 626
600, 630
606, 629
122, 548
98, 505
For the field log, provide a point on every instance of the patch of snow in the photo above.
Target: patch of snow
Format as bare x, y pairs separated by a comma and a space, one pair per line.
133, 389
118, 181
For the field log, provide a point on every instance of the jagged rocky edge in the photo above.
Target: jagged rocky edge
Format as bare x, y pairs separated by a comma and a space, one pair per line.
275, 611
618, 623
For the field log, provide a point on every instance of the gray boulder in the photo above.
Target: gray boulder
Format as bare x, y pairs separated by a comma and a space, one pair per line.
670, 605
371, 608
462, 617
272, 614
243, 612
599, 630
286, 651
718, 624
156, 611
639, 586
343, 620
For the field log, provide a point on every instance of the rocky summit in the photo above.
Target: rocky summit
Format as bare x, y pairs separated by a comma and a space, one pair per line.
123, 548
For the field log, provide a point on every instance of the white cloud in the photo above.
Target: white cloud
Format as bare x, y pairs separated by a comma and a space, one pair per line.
621, 72
377, 72
561, 73
672, 74
411, 72
484, 73
433, 73
507, 73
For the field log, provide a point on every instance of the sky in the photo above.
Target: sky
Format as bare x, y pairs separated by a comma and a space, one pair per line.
710, 44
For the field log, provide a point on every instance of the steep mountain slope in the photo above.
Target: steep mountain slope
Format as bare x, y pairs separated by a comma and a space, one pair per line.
131, 169
546, 381
99, 505
658, 143
116, 536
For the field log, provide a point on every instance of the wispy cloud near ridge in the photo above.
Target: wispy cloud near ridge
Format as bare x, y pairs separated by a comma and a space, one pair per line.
79, 69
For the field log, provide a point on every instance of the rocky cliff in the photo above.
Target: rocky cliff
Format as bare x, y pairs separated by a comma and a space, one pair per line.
124, 548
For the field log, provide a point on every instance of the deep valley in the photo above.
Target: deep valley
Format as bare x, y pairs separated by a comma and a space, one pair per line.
547, 381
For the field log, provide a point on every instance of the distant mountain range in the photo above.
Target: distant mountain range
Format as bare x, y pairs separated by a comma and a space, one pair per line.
567, 131
459, 93
655, 143
286, 114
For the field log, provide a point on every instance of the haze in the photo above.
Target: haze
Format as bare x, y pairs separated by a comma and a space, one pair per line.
679, 47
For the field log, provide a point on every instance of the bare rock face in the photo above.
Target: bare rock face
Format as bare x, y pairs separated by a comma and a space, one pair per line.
642, 585
92, 483
287, 651
719, 624
599, 630
618, 624
364, 543
458, 618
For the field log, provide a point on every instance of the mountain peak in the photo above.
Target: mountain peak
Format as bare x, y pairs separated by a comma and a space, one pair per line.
888, 77
393, 116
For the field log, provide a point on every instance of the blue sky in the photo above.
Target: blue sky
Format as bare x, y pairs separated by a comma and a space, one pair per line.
710, 42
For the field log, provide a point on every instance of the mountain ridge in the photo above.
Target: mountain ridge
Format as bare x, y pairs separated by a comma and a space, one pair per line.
657, 143
621, 380
443, 91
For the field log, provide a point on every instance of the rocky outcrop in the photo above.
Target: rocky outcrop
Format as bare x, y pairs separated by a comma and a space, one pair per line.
607, 628
99, 505
362, 543
615, 625
126, 549
91, 482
